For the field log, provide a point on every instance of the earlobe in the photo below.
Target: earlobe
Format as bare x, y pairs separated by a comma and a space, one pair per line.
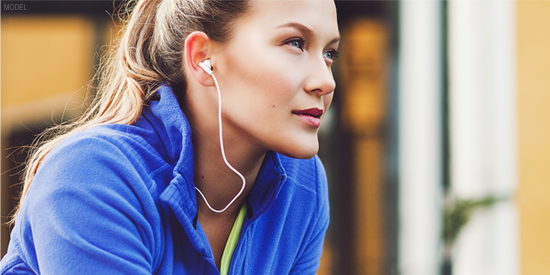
196, 51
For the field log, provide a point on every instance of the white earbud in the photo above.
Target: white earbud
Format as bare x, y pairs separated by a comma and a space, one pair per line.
206, 65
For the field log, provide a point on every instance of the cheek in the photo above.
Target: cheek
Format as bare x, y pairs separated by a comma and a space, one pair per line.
267, 82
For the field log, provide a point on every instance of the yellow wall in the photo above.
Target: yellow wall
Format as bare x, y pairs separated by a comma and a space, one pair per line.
533, 32
44, 57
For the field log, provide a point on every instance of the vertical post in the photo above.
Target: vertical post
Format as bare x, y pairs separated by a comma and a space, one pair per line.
482, 99
420, 133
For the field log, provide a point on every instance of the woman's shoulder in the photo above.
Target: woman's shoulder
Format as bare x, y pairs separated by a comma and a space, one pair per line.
100, 166
91, 199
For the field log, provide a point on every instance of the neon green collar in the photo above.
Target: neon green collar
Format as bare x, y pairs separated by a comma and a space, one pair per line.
232, 241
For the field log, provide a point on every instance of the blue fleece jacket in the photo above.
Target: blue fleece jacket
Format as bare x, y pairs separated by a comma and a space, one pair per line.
120, 199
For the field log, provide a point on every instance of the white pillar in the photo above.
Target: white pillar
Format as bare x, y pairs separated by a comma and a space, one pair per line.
420, 163
482, 105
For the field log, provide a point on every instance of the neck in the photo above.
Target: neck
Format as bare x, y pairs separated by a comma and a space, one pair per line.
218, 183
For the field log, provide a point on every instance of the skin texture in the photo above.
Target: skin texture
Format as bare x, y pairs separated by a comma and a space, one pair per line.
278, 61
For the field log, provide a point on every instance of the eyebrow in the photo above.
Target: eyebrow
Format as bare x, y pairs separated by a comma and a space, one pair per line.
305, 30
297, 26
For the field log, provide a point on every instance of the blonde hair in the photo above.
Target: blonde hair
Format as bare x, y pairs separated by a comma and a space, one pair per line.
149, 52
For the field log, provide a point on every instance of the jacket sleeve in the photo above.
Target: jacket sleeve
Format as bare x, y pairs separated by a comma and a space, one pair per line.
85, 213
310, 256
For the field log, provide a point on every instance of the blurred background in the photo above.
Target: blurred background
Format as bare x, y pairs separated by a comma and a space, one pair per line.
437, 145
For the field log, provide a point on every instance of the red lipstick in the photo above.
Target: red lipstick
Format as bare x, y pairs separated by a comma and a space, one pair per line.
312, 116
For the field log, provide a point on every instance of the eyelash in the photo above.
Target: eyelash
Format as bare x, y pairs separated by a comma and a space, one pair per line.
300, 46
300, 42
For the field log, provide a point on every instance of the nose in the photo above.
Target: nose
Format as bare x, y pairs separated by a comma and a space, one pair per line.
320, 80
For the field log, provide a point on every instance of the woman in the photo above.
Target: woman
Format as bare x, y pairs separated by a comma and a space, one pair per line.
153, 179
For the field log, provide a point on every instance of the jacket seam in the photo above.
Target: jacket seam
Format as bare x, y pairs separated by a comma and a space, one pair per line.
12, 264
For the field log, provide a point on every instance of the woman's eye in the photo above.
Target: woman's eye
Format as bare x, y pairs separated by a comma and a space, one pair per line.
332, 54
298, 43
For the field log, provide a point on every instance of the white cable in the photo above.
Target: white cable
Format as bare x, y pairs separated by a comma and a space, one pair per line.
223, 155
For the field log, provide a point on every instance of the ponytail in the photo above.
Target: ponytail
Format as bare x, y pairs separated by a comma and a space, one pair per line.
149, 52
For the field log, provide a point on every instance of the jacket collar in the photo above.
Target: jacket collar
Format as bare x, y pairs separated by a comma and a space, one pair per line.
174, 132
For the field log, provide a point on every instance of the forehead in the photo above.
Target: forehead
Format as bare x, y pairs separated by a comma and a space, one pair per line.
318, 15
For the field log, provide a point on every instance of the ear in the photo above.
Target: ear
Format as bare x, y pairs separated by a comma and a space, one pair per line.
197, 45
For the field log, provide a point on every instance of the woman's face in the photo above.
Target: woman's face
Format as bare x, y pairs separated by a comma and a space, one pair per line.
275, 74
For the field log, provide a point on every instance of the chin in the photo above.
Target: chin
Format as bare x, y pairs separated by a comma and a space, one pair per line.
301, 150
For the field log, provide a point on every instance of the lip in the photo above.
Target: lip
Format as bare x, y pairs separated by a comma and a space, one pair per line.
311, 116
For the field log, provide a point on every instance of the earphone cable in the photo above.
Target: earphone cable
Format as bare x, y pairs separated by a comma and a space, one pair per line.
223, 155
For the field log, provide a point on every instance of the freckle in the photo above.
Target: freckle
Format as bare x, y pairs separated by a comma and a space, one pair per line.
202, 177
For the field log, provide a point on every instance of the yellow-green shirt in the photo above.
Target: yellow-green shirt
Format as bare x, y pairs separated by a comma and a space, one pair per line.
232, 241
